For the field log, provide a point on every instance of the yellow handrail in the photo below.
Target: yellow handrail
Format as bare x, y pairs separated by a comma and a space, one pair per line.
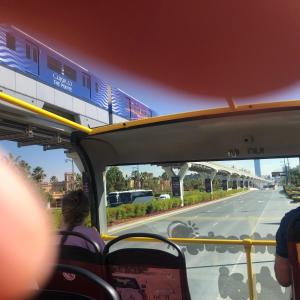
244, 242
247, 243
18, 102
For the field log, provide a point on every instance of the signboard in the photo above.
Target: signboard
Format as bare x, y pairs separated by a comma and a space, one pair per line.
207, 185
224, 184
85, 184
278, 174
234, 184
175, 182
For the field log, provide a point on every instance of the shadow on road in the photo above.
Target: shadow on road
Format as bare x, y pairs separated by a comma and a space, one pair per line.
179, 229
235, 286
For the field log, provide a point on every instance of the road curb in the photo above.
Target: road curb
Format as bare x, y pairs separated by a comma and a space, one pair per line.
132, 224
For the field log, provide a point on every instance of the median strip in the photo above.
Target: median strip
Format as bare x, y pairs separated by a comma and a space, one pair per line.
134, 222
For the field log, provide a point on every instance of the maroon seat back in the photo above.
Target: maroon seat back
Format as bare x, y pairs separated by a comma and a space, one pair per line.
83, 258
74, 284
143, 273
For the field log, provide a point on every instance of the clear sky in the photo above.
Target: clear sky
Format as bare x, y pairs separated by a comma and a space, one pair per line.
161, 99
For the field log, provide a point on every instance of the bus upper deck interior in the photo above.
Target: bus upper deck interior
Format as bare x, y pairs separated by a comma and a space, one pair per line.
220, 249
255, 131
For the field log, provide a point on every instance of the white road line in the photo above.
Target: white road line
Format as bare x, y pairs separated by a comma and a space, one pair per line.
244, 253
215, 224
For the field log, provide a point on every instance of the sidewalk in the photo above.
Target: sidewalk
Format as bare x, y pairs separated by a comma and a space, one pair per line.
133, 223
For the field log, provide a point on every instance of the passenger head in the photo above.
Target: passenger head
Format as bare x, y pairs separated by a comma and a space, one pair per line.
75, 208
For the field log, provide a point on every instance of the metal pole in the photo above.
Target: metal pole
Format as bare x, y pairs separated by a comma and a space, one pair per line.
73, 178
248, 247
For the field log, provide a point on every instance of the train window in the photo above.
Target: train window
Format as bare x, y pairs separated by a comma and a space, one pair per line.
86, 80
70, 73
54, 65
28, 51
35, 55
10, 41
97, 87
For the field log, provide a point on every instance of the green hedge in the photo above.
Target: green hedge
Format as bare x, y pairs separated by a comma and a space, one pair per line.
128, 211
195, 197
292, 192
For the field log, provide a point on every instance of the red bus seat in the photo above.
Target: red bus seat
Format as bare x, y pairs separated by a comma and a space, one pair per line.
83, 258
106, 291
143, 273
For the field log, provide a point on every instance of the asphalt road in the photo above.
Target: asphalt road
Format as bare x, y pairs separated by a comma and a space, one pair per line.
219, 272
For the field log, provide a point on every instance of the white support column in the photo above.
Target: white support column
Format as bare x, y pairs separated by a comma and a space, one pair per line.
181, 174
184, 168
210, 177
169, 171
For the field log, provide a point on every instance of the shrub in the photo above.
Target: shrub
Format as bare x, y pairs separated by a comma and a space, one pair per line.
128, 211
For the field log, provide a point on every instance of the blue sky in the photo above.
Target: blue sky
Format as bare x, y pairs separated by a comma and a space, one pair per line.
161, 99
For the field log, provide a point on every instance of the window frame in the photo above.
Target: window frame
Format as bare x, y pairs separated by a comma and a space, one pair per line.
71, 73
10, 41
51, 61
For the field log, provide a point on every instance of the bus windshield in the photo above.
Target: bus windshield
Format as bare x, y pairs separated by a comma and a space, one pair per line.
229, 200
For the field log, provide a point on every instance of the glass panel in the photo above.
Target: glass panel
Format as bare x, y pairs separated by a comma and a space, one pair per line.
69, 72
10, 41
28, 55
229, 200
35, 55
54, 65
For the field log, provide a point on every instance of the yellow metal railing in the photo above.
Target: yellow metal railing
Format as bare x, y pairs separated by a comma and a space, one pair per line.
247, 243
18, 102
148, 121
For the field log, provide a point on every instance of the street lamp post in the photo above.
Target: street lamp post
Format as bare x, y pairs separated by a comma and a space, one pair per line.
72, 161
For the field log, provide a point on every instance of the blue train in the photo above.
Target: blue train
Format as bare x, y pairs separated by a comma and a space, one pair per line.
26, 55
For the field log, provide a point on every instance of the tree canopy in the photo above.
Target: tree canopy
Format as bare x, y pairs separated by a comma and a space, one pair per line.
38, 174
115, 180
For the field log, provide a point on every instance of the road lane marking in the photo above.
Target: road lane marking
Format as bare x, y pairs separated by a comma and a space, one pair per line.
215, 224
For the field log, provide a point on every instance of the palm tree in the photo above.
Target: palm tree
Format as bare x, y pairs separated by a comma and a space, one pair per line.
38, 174
53, 179
78, 181
24, 165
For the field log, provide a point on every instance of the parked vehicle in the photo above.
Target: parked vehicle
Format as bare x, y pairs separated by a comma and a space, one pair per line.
128, 197
164, 196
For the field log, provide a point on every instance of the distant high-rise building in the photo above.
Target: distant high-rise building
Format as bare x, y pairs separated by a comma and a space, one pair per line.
257, 167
